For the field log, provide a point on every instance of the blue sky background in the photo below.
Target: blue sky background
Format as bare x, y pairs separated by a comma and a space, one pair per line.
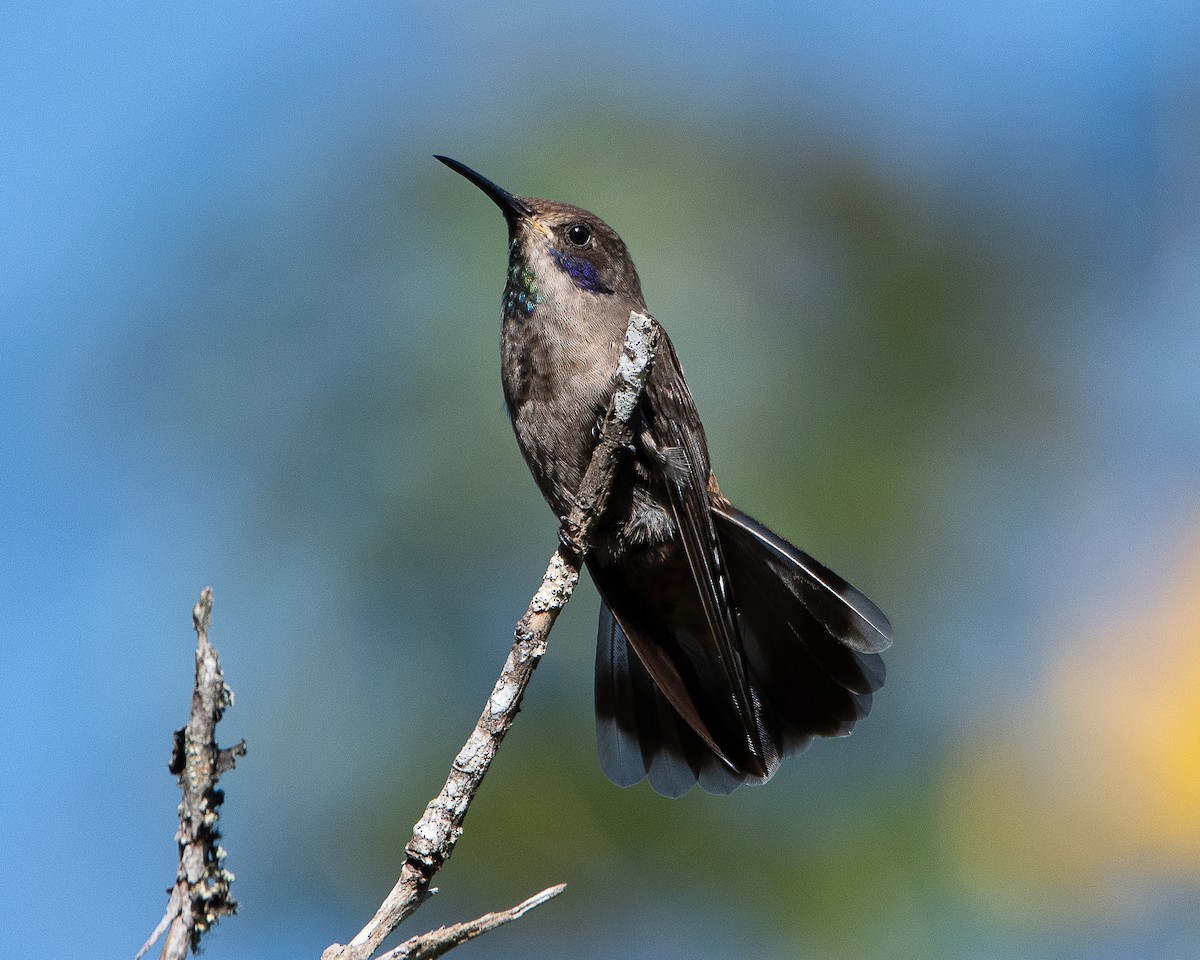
231, 279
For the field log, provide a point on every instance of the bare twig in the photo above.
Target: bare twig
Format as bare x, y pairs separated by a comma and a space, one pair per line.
201, 894
427, 946
435, 835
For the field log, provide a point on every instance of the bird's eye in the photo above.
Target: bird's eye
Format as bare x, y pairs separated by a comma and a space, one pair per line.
578, 234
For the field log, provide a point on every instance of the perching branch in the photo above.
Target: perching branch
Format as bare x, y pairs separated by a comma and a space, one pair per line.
201, 894
435, 835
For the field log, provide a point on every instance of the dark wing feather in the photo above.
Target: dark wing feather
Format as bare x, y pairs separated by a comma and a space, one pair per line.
678, 462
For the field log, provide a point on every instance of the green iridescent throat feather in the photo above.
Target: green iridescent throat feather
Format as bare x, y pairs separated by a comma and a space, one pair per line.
521, 292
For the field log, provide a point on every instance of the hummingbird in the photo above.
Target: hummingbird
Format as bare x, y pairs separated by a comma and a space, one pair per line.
721, 647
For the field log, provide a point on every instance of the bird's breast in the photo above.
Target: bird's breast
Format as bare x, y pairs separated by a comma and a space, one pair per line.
557, 391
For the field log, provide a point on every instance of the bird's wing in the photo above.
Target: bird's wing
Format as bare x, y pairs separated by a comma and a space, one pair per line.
676, 456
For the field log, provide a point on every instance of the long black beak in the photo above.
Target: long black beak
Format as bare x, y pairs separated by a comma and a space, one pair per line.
502, 198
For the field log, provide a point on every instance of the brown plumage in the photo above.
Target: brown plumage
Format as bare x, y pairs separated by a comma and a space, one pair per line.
722, 648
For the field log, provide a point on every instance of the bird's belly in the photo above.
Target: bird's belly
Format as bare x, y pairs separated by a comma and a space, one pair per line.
557, 444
